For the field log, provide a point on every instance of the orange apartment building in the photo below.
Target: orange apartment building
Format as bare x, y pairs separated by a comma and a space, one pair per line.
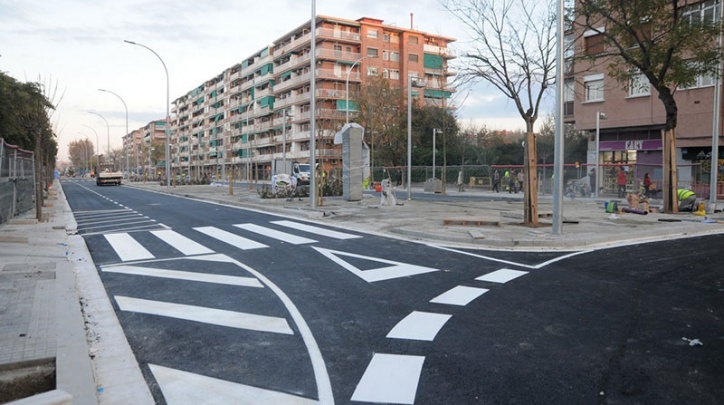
138, 144
257, 112
631, 121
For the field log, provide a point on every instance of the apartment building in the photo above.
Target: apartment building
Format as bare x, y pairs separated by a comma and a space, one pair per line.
631, 120
255, 114
139, 144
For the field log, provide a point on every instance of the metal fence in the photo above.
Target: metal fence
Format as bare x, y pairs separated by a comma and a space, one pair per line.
17, 174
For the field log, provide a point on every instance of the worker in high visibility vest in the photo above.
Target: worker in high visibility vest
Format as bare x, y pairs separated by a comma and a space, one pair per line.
687, 199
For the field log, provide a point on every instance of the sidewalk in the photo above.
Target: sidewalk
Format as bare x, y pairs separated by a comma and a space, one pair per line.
50, 292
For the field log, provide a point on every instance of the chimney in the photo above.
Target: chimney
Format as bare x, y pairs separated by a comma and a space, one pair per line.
411, 17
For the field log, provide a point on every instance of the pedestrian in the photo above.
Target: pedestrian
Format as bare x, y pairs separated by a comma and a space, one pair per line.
592, 181
496, 181
687, 200
621, 182
520, 180
506, 179
647, 185
512, 179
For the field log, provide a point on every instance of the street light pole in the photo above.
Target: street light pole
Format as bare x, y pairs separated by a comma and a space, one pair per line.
284, 141
108, 133
346, 85
128, 166
409, 135
599, 117
168, 114
97, 143
434, 132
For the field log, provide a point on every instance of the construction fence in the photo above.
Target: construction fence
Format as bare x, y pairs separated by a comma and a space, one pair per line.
17, 174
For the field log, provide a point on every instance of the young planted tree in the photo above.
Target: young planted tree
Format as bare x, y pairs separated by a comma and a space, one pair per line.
514, 50
661, 40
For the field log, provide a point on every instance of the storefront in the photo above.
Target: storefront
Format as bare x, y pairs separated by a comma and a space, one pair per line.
636, 157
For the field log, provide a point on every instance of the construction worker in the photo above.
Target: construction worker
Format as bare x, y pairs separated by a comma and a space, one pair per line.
687, 199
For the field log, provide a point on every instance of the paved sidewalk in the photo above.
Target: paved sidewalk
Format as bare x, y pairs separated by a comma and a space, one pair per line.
50, 291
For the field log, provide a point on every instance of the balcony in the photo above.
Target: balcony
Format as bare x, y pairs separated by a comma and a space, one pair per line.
438, 50
338, 34
337, 55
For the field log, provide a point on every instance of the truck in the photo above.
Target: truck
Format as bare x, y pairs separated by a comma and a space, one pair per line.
301, 172
106, 174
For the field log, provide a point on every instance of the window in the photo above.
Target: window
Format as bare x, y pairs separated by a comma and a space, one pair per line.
385, 73
593, 41
413, 57
372, 34
395, 74
385, 55
386, 37
568, 97
394, 56
413, 40
702, 80
639, 86
593, 86
372, 52
372, 71
704, 12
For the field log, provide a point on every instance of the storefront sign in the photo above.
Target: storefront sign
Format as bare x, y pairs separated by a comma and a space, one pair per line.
649, 144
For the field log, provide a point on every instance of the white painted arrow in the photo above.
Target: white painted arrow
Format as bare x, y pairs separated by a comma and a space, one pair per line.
393, 270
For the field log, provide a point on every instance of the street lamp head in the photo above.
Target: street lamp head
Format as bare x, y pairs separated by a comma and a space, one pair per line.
602, 115
129, 42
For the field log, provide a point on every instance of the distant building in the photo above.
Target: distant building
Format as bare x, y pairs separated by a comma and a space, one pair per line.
139, 142
253, 113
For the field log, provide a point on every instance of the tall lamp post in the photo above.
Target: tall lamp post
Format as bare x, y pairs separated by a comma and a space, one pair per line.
599, 116
95, 132
128, 166
346, 84
168, 114
108, 133
410, 79
435, 131
284, 140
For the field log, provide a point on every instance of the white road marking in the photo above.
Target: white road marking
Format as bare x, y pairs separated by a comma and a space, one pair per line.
397, 270
184, 275
127, 248
315, 230
184, 388
501, 276
460, 295
230, 238
390, 378
181, 243
419, 326
272, 233
232, 319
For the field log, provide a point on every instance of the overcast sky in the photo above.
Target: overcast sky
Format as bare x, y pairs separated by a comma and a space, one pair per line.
77, 47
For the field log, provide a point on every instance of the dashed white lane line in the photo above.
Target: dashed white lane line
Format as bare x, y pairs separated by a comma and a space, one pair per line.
460, 295
390, 378
240, 320
127, 248
279, 235
181, 243
184, 388
230, 238
316, 230
184, 275
419, 326
501, 276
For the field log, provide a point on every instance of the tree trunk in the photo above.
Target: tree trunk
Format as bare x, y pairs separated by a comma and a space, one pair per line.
670, 181
37, 161
531, 179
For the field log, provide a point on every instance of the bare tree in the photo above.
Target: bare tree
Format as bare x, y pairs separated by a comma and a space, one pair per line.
513, 48
661, 40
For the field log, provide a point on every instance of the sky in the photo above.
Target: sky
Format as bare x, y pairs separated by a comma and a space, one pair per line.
75, 47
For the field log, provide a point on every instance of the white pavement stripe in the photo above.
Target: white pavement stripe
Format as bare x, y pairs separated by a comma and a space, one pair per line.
272, 233
182, 243
184, 388
501, 276
184, 275
390, 378
127, 248
230, 238
316, 230
419, 326
240, 320
460, 295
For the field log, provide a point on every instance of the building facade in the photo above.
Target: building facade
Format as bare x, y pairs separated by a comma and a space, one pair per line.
255, 114
143, 144
630, 119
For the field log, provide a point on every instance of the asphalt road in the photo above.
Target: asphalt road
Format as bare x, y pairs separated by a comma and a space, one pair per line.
280, 310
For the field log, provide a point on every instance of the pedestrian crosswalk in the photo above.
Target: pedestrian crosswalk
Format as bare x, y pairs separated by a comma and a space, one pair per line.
245, 236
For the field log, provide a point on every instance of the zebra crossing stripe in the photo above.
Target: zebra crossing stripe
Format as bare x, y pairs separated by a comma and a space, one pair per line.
390, 379
184, 275
419, 326
127, 248
315, 230
230, 238
231, 319
272, 233
501, 276
181, 243
460, 295
184, 388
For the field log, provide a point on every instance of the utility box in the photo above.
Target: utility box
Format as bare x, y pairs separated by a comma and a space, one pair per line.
433, 186
352, 167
